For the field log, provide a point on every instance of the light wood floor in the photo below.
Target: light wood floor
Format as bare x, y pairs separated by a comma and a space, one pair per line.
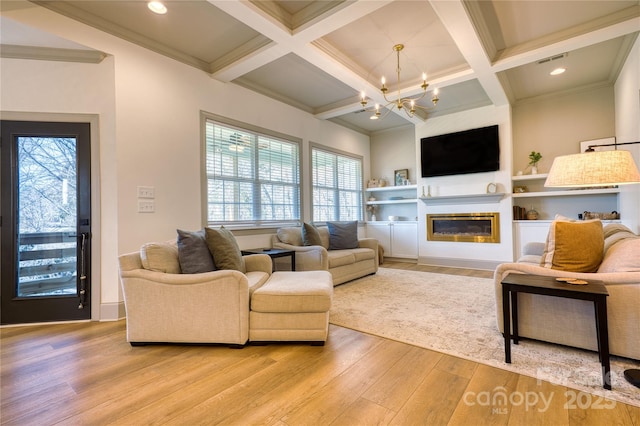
87, 374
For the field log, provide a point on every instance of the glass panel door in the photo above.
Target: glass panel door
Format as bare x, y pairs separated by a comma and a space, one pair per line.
46, 225
47, 201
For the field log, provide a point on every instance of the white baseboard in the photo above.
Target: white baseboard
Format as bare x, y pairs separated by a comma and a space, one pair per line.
112, 311
486, 265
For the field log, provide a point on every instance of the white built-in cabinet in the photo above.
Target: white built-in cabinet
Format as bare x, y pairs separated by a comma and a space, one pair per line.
398, 237
551, 201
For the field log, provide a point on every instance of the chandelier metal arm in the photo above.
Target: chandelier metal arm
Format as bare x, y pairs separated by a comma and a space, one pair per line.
408, 104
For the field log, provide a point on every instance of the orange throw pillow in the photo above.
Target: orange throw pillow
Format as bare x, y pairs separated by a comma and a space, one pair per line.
574, 246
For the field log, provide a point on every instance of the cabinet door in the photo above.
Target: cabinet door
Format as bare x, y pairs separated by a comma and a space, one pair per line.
528, 232
404, 240
382, 233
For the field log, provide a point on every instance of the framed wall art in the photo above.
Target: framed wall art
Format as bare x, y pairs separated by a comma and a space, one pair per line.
401, 176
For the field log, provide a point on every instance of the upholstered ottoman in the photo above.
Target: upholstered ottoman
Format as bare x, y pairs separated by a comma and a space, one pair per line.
292, 306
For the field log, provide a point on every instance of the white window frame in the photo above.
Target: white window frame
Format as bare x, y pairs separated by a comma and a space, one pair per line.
252, 181
338, 192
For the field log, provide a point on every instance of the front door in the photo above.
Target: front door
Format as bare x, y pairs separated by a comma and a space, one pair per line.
46, 200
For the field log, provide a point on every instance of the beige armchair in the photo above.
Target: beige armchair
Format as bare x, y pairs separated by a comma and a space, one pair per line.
211, 307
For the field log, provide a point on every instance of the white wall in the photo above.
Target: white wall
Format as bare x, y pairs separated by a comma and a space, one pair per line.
555, 125
627, 122
481, 255
149, 112
393, 150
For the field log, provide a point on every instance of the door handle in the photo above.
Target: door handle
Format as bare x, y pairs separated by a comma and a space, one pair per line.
84, 237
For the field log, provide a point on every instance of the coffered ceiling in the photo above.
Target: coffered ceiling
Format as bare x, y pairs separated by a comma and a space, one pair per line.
318, 55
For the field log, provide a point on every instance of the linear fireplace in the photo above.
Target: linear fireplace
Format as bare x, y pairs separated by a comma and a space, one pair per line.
464, 227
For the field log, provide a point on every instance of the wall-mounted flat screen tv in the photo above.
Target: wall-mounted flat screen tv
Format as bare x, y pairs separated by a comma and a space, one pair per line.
469, 151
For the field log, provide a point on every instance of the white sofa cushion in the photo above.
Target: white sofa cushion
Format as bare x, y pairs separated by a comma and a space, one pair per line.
623, 256
160, 257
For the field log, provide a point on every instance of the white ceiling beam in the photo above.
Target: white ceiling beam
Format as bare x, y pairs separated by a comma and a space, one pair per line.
456, 20
559, 43
264, 24
283, 40
339, 19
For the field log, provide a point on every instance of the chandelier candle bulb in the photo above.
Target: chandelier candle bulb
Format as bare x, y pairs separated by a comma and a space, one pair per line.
403, 103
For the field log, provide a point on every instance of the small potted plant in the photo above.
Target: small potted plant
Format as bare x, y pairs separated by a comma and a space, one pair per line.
534, 158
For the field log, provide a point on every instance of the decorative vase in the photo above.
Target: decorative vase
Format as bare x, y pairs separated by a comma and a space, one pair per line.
373, 218
532, 214
534, 170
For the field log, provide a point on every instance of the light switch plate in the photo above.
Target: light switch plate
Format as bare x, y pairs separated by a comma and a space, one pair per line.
146, 206
146, 192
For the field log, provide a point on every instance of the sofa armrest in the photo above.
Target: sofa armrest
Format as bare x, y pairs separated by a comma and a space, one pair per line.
208, 307
181, 279
371, 243
609, 278
308, 258
258, 263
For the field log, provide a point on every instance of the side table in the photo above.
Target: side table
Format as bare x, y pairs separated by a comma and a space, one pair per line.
274, 253
594, 291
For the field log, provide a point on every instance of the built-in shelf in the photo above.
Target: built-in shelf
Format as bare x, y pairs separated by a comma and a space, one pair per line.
604, 221
390, 198
392, 188
463, 199
565, 193
539, 176
399, 201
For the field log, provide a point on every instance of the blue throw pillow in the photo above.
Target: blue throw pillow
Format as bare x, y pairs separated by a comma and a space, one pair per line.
193, 253
343, 235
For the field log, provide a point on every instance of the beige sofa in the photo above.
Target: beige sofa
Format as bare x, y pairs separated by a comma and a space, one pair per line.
344, 265
231, 307
163, 305
572, 322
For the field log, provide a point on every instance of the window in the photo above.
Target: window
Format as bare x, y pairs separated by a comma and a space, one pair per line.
252, 177
337, 185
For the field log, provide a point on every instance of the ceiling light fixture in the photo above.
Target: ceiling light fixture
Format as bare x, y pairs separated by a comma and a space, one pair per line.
407, 104
157, 7
558, 71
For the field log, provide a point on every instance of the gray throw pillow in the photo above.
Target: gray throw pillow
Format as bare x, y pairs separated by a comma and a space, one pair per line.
224, 248
310, 235
193, 254
343, 235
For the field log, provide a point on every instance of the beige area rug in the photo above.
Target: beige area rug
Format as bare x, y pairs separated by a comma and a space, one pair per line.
456, 315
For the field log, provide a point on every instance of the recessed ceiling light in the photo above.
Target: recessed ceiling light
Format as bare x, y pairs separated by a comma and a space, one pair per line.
157, 7
558, 71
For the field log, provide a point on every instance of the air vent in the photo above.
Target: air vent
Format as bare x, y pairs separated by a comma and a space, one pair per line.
553, 58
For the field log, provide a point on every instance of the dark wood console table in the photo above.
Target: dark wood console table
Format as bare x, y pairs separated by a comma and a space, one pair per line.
274, 253
594, 291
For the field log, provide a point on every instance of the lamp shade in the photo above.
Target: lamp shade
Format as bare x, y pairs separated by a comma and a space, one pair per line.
599, 168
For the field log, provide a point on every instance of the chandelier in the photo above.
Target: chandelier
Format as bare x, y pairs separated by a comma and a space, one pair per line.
406, 104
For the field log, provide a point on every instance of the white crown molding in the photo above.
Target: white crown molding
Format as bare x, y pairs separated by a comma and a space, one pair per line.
51, 54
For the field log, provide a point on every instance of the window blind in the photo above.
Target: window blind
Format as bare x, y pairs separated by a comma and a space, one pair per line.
337, 186
252, 178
